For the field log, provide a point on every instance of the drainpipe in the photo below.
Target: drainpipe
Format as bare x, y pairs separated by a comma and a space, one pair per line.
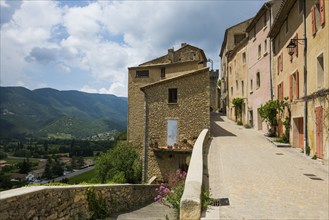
271, 80
305, 80
145, 151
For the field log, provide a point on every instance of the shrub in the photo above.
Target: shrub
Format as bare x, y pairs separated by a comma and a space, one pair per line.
247, 126
171, 192
120, 164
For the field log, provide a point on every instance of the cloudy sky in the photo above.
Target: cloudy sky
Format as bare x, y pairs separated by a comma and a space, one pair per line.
88, 45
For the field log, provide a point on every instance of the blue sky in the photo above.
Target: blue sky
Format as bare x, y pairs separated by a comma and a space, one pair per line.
88, 45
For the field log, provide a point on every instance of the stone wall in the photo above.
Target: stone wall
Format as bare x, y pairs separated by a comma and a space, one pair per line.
191, 112
70, 202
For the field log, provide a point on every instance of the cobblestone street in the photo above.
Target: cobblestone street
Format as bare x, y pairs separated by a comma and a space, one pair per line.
260, 180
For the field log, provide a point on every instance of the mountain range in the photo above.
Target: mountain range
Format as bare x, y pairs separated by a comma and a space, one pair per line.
44, 112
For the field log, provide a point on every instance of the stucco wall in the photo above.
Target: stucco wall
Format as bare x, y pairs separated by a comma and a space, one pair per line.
316, 44
259, 95
57, 202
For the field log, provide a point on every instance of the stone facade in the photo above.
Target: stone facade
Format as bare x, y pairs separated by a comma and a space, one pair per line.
289, 77
214, 90
149, 109
58, 202
191, 112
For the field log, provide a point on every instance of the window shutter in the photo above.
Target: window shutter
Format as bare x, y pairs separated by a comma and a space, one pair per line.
296, 50
281, 61
297, 84
313, 20
278, 61
278, 91
281, 90
322, 14
290, 88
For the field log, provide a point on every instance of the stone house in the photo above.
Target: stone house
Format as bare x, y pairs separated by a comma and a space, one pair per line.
301, 72
233, 36
168, 106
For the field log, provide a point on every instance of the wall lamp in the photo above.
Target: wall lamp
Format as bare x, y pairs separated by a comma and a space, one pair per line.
292, 45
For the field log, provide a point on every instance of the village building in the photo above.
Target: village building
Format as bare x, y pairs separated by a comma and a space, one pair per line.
259, 66
301, 72
233, 36
168, 106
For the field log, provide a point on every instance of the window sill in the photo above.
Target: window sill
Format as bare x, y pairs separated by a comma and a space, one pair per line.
254, 39
251, 92
264, 28
172, 103
265, 54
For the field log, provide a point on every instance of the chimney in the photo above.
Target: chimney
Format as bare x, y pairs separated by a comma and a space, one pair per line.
183, 44
171, 54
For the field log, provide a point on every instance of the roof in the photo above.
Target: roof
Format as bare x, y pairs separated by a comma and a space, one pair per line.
281, 16
225, 36
176, 77
259, 14
183, 46
157, 65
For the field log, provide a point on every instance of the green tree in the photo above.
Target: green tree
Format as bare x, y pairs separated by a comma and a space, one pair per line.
25, 166
120, 164
237, 102
270, 113
57, 169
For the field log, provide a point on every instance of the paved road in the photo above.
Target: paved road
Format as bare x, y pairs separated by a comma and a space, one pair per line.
153, 211
260, 180
70, 175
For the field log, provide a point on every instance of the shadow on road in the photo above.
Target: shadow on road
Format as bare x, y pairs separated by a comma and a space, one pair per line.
215, 129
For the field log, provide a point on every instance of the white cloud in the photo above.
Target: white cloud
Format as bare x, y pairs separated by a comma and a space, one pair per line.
103, 38
63, 68
4, 4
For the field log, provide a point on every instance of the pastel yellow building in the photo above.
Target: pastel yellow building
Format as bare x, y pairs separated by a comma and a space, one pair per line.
301, 72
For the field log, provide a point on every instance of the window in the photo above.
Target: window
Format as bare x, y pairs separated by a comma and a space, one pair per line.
231, 90
172, 95
300, 6
265, 19
242, 87
286, 25
238, 38
265, 46
280, 91
259, 51
236, 84
258, 80
163, 72
142, 73
230, 70
251, 85
254, 33
294, 86
244, 57
320, 71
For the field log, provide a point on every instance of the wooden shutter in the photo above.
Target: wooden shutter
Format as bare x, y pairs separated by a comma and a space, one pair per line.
297, 84
313, 20
282, 90
290, 88
278, 61
322, 14
296, 50
281, 63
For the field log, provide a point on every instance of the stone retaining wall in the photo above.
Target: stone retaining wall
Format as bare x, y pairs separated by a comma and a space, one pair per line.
70, 202
190, 203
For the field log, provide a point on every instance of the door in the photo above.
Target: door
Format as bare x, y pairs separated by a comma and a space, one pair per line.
319, 131
300, 128
280, 128
171, 132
